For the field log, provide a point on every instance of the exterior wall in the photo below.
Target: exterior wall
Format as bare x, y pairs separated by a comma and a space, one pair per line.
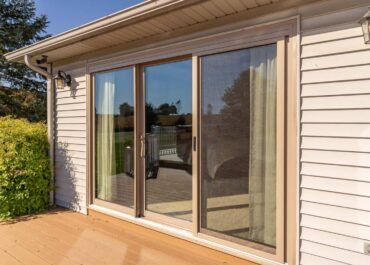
70, 142
335, 139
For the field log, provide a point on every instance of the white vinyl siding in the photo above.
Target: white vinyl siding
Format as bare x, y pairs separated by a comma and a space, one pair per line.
70, 143
335, 141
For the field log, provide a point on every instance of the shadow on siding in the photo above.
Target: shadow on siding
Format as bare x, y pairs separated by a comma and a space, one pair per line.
66, 194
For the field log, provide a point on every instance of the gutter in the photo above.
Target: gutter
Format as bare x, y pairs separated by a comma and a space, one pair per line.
50, 114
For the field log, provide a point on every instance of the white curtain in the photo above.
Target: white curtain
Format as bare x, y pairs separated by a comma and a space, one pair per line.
105, 142
262, 168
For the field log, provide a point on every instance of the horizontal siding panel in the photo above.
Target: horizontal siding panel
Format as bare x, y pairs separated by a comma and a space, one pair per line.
336, 157
334, 253
308, 259
70, 127
334, 240
336, 226
336, 171
336, 102
330, 19
71, 113
337, 185
78, 79
71, 120
69, 154
336, 116
75, 106
62, 141
79, 208
72, 147
340, 144
336, 213
72, 69
336, 88
66, 185
64, 193
333, 47
338, 60
81, 134
336, 130
63, 167
73, 89
67, 169
336, 74
67, 173
81, 91
70, 100
334, 198
325, 35
79, 201
71, 162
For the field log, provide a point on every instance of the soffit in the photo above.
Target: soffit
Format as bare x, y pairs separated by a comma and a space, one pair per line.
182, 14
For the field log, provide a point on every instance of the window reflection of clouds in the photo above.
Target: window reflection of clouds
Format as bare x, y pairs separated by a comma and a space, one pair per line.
123, 81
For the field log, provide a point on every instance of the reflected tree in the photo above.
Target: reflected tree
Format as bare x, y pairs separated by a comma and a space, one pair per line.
126, 109
237, 105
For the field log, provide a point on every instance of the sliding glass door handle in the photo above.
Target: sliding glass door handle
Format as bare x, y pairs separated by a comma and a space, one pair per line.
142, 145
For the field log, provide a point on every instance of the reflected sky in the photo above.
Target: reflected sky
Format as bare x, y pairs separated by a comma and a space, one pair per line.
123, 88
170, 82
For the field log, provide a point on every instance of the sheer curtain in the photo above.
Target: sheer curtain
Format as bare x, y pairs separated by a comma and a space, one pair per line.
262, 163
105, 142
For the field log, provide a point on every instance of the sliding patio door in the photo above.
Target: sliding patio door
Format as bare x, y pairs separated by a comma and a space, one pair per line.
168, 141
114, 138
203, 149
240, 125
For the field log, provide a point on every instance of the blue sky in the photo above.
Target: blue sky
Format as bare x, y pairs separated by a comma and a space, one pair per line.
67, 14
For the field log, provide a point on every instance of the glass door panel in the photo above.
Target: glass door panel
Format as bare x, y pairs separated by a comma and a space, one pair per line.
238, 145
114, 137
168, 139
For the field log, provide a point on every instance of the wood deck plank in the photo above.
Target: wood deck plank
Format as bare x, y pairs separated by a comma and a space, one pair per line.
64, 237
7, 259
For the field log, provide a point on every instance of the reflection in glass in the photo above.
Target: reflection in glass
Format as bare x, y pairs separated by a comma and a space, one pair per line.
168, 116
238, 145
114, 136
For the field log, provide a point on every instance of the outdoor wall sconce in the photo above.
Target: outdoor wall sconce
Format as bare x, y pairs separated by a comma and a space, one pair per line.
365, 24
62, 80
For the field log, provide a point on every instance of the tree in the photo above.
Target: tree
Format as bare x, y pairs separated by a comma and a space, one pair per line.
167, 109
19, 26
236, 111
126, 109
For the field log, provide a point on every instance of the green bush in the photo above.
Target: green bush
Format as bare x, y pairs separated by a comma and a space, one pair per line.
24, 167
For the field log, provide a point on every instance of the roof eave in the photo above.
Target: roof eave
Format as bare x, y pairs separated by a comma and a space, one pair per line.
125, 17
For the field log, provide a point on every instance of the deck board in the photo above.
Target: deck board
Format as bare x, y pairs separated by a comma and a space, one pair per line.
64, 237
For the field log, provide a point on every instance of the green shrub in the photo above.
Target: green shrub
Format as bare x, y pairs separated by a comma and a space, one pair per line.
24, 167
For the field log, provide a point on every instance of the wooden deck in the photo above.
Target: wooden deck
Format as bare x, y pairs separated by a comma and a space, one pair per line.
64, 237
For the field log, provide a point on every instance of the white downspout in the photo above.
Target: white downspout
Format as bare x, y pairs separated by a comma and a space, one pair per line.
50, 113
